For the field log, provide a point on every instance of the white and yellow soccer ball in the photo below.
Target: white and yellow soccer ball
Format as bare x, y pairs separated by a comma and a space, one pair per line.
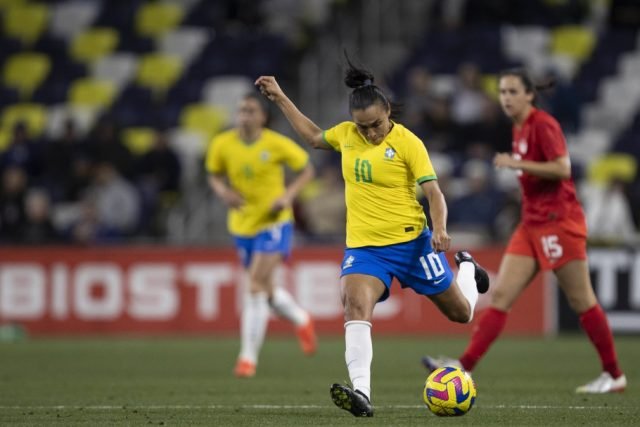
449, 391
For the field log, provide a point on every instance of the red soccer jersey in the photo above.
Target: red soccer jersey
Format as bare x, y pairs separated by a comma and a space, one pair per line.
540, 139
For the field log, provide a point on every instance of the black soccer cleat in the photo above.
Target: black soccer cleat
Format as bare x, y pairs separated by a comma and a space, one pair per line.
481, 276
351, 400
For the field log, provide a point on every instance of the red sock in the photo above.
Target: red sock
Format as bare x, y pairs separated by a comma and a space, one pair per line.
485, 332
595, 324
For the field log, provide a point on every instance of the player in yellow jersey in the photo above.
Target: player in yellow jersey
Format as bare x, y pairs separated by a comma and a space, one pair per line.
246, 170
387, 234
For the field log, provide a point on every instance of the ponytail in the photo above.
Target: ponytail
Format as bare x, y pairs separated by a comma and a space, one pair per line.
365, 93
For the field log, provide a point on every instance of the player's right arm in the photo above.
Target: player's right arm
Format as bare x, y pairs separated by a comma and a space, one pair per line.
303, 126
219, 186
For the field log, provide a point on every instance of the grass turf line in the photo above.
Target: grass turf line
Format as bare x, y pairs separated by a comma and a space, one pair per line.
189, 382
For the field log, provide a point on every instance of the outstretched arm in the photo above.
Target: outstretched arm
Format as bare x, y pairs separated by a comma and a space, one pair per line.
303, 126
557, 169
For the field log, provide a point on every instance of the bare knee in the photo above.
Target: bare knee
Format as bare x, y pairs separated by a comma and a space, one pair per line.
258, 281
581, 303
356, 309
500, 299
459, 314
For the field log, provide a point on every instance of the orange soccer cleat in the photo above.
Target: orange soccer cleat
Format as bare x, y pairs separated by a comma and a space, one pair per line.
307, 338
244, 369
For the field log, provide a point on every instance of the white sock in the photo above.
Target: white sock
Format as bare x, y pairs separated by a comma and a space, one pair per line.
358, 354
255, 316
284, 305
467, 283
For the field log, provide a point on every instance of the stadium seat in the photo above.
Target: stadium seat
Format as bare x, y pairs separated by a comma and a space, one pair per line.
185, 43
5, 4
94, 44
120, 68
57, 115
227, 91
190, 147
155, 19
574, 41
25, 72
33, 115
489, 84
158, 72
72, 17
203, 118
518, 43
5, 138
92, 93
613, 166
138, 140
26, 22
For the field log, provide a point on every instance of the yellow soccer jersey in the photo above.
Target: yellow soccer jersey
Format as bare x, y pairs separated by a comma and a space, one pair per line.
255, 170
380, 184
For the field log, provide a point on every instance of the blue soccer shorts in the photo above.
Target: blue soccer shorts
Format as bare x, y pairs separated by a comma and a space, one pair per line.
413, 263
275, 239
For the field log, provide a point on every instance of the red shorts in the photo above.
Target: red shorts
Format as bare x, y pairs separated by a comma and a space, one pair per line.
552, 244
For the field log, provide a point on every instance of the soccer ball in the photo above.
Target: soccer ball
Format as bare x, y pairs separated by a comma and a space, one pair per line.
449, 391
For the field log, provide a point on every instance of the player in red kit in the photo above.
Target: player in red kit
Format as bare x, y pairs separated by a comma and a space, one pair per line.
552, 235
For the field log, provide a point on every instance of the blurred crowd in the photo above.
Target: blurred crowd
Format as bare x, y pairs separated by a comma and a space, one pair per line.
84, 190
91, 189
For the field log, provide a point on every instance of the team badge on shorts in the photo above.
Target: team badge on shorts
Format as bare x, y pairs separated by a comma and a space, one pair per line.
348, 262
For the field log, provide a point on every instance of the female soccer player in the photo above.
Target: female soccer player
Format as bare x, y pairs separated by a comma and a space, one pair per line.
387, 235
552, 235
251, 158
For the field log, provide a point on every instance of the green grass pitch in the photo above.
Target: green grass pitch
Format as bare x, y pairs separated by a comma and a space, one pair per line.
188, 381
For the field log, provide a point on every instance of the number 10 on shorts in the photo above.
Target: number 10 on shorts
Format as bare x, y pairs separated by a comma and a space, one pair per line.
435, 263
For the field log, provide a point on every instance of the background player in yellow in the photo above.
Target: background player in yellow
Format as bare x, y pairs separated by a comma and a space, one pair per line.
387, 234
246, 170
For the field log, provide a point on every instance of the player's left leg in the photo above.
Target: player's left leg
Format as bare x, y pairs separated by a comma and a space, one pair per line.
255, 311
574, 280
360, 293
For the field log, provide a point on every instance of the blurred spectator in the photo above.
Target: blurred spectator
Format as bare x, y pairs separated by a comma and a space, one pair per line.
492, 133
468, 101
87, 229
22, 152
116, 200
104, 146
478, 208
563, 101
38, 228
325, 210
439, 127
12, 214
419, 99
159, 168
159, 182
67, 167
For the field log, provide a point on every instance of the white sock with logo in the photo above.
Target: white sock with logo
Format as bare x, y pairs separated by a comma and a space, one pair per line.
466, 281
255, 317
358, 354
285, 306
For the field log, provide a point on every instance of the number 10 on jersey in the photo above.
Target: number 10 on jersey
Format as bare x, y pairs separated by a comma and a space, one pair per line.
363, 171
